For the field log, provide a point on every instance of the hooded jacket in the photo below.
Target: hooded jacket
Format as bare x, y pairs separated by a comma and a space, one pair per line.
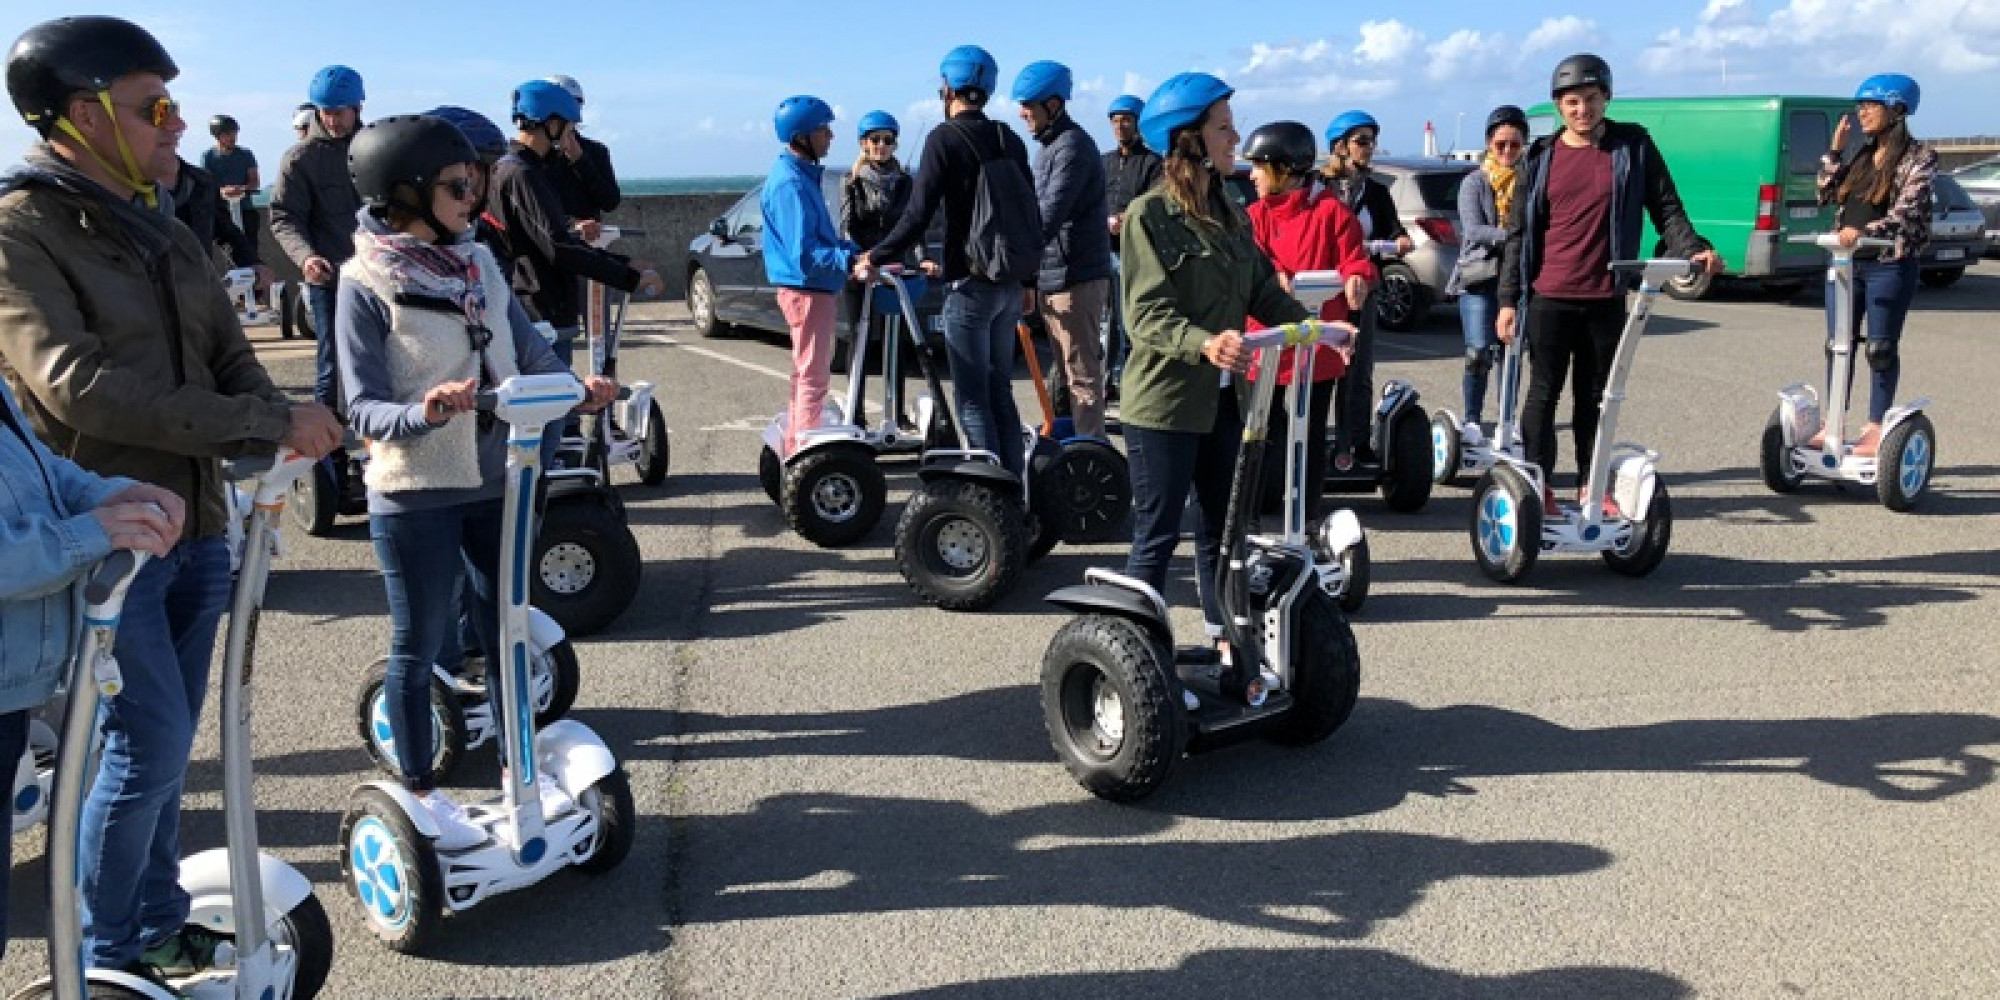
1307, 229
1069, 185
314, 201
802, 250
543, 257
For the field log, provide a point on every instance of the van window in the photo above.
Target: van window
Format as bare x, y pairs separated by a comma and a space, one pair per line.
1807, 136
1541, 125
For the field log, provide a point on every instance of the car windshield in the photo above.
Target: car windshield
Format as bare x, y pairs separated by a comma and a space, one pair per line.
1948, 195
1979, 173
1440, 190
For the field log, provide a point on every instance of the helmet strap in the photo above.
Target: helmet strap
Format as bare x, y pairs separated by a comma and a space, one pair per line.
130, 174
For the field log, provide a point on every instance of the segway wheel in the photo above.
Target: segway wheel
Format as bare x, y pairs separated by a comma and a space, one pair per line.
315, 500
1408, 485
1446, 441
833, 496
309, 934
1781, 474
372, 718
655, 449
610, 800
556, 676
392, 870
770, 473
1111, 704
586, 565
1326, 674
1355, 561
1647, 547
960, 545
1907, 456
1098, 493
1506, 524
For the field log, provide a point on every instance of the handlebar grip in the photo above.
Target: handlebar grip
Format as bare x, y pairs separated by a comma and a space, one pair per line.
120, 564
485, 401
1677, 265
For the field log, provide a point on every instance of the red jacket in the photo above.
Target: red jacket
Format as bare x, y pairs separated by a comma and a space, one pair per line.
1307, 229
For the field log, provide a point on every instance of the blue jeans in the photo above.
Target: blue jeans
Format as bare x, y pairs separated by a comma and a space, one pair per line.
1476, 314
1165, 464
1883, 291
1115, 342
421, 552
130, 850
326, 379
979, 319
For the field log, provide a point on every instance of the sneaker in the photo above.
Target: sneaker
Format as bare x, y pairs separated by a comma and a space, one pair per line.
1470, 434
456, 831
188, 952
1869, 442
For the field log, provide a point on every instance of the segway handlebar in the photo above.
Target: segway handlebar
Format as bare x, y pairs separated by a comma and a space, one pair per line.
1831, 241
1657, 271
1314, 288
607, 235
108, 581
1382, 248
1333, 334
531, 399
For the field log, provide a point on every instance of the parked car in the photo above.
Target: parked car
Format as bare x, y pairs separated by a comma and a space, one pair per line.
1982, 181
1958, 234
1426, 194
725, 270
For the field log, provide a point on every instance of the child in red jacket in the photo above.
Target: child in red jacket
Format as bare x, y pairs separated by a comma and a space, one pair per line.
1302, 227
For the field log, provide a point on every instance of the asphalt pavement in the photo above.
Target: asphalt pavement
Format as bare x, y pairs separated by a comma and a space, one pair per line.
1766, 770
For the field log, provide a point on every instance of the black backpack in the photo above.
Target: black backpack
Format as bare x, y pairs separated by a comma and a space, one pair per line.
1005, 243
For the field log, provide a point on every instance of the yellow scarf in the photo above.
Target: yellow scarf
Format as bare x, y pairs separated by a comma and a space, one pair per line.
1502, 179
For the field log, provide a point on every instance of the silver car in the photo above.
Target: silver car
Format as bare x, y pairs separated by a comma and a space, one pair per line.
1958, 234
1981, 182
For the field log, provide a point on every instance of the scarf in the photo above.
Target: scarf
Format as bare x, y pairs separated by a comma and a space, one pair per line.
421, 268
1502, 179
151, 231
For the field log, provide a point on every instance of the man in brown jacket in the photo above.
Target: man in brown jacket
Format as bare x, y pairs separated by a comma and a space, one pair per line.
126, 356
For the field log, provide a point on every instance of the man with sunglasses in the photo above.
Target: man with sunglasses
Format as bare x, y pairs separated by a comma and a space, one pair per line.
1351, 139
126, 356
313, 207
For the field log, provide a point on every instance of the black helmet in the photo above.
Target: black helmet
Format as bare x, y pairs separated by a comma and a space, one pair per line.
1506, 114
1289, 146
1580, 70
404, 151
55, 59
221, 124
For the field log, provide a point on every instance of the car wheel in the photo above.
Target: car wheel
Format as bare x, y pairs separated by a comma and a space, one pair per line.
702, 306
1688, 287
1402, 302
1941, 277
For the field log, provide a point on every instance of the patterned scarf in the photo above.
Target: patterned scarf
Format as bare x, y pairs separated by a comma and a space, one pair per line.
1501, 177
418, 267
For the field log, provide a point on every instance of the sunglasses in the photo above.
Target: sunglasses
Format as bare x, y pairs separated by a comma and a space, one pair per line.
1508, 144
159, 110
886, 140
1362, 140
458, 187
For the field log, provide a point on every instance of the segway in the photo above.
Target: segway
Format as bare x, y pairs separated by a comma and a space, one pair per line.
1509, 526
634, 430
831, 490
389, 858
1399, 462
332, 489
1461, 451
1909, 442
1083, 486
1122, 703
240, 284
287, 950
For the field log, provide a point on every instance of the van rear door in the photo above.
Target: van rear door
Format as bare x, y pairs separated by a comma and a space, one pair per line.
1808, 133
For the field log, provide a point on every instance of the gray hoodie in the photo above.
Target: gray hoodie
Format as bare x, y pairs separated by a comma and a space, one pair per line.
314, 201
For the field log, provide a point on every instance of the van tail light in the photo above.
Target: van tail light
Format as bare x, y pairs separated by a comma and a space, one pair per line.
1767, 208
1439, 229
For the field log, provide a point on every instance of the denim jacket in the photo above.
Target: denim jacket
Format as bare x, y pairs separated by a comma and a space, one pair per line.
50, 539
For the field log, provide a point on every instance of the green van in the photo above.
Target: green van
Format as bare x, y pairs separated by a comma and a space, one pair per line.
1746, 168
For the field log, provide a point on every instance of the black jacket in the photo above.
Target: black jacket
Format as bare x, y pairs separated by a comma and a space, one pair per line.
198, 203
1373, 205
536, 243
1127, 176
1640, 183
872, 202
1069, 183
948, 171
314, 201
588, 188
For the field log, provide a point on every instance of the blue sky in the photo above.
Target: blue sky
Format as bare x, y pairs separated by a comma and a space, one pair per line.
680, 88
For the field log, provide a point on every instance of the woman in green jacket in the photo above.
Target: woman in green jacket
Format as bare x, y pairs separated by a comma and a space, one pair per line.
1193, 274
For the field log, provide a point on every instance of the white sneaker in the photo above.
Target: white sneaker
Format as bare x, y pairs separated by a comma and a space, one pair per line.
1470, 434
456, 831
555, 801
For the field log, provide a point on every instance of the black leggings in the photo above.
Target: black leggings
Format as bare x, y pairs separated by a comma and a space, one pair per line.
1577, 338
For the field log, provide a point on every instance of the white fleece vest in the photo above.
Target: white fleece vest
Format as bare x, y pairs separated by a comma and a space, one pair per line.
426, 347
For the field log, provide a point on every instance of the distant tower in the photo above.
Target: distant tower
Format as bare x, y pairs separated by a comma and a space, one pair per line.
1430, 140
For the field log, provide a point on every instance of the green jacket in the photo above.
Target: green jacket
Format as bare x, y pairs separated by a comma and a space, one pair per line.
1185, 283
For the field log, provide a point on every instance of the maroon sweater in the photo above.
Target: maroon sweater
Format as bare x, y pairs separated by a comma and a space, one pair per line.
1578, 258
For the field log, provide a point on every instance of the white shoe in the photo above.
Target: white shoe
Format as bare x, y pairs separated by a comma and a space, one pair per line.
555, 801
1470, 434
455, 830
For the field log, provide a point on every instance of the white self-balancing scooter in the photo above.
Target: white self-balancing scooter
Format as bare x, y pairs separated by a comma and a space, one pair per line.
1900, 469
1122, 704
1509, 526
1459, 451
632, 431
389, 856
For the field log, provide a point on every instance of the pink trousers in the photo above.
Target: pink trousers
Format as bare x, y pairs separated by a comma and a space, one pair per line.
810, 315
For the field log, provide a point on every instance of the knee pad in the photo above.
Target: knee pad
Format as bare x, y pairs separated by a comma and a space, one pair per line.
1479, 360
1882, 355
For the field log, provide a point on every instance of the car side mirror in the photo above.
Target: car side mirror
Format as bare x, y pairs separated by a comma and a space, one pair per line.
719, 229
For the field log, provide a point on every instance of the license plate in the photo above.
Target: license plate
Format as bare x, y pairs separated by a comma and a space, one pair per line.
1805, 212
1952, 253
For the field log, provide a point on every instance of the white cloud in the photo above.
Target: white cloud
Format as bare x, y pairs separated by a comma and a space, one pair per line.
1565, 32
1267, 57
1138, 86
1467, 54
1387, 42
1834, 38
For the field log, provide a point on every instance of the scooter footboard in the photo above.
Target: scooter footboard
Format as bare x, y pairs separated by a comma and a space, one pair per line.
205, 877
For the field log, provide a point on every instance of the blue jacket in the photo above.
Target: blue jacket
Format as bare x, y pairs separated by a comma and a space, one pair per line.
802, 249
51, 540
1069, 183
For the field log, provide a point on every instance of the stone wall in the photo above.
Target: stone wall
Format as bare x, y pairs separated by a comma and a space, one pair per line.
670, 222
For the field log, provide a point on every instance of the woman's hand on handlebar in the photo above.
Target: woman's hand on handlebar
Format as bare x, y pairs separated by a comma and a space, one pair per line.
1225, 351
1503, 324
929, 268
864, 270
1357, 292
598, 392
446, 400
1849, 236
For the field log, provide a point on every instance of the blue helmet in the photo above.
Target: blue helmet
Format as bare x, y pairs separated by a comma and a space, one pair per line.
1040, 81
879, 121
1893, 89
336, 87
1179, 103
538, 101
478, 129
1344, 124
1126, 104
797, 116
969, 67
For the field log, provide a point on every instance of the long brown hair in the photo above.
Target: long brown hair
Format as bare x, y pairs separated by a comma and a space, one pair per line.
1877, 182
1190, 180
